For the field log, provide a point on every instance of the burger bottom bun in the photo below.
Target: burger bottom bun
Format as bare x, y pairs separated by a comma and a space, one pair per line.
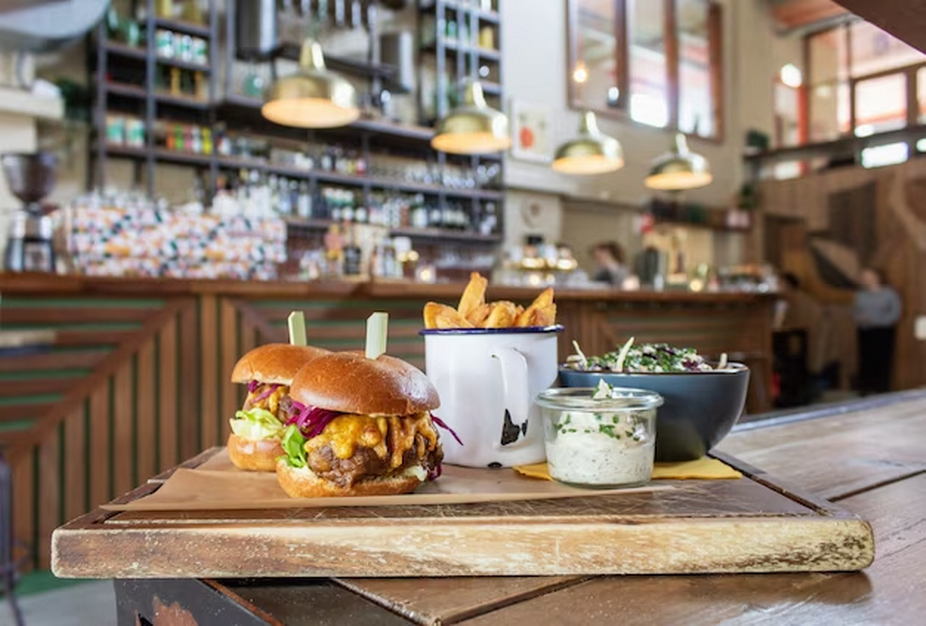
258, 455
302, 482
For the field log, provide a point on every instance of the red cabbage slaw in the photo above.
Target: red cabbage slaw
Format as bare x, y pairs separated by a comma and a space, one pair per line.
266, 393
439, 422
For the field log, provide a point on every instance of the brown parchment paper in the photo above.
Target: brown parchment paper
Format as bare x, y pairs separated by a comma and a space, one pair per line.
219, 485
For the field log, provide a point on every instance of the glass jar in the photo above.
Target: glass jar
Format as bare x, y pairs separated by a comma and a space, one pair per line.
603, 443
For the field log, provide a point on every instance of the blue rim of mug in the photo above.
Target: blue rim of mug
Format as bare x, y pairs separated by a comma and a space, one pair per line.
517, 330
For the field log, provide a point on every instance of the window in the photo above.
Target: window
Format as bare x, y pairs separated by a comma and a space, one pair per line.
656, 61
695, 83
859, 81
880, 104
593, 72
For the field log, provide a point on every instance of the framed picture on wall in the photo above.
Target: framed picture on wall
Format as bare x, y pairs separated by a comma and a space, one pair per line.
531, 132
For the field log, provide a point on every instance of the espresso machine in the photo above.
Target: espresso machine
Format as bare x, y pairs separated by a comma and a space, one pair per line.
30, 178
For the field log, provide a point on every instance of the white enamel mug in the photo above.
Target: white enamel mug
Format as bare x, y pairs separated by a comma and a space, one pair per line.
488, 379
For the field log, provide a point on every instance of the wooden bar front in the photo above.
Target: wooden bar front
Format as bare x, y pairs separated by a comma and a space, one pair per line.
138, 376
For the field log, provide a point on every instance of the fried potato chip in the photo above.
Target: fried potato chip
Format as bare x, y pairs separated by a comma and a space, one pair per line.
474, 295
479, 314
501, 316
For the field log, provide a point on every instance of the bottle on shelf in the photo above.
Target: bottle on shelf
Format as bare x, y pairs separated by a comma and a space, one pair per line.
304, 203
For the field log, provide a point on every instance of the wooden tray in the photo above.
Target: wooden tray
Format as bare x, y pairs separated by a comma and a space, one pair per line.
754, 524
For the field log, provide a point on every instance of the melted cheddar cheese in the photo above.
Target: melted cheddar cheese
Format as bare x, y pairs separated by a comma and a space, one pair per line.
348, 431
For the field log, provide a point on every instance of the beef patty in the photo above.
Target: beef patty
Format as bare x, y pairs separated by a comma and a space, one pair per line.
365, 463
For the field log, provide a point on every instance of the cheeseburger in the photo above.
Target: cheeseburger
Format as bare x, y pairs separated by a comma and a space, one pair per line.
364, 428
257, 429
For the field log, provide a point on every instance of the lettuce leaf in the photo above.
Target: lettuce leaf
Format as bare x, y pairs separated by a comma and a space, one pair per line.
294, 446
257, 424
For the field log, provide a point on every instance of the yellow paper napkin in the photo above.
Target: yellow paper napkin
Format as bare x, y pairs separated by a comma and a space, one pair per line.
704, 468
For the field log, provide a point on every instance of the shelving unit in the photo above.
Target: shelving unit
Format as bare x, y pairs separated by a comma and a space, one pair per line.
456, 59
126, 82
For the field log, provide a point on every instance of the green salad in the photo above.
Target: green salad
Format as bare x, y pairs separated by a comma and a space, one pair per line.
643, 358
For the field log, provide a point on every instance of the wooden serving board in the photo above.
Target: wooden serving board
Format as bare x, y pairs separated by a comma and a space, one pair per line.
755, 524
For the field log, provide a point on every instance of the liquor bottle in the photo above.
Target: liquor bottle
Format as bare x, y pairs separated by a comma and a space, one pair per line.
304, 206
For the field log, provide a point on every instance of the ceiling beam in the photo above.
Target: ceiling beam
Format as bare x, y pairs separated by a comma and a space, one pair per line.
905, 19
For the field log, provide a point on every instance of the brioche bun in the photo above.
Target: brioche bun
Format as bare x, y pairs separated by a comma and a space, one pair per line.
349, 382
274, 363
256, 455
302, 482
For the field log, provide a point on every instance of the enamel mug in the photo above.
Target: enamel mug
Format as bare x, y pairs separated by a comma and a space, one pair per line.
488, 379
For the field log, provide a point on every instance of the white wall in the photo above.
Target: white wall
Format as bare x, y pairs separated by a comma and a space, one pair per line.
534, 56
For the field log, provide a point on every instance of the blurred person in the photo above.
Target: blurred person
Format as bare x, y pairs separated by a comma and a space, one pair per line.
609, 263
876, 308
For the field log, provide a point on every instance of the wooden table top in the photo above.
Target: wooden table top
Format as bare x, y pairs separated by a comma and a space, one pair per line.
870, 458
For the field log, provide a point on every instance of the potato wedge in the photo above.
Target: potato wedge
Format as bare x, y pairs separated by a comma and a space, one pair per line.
431, 311
479, 314
501, 316
451, 318
474, 295
544, 299
528, 317
544, 316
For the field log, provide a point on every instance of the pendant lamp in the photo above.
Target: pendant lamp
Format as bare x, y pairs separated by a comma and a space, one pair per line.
679, 169
472, 128
591, 152
313, 97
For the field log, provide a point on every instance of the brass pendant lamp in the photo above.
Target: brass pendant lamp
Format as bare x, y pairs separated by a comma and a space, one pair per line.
472, 128
313, 97
591, 152
679, 169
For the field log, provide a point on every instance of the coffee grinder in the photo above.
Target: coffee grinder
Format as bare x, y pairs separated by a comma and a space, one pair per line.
30, 177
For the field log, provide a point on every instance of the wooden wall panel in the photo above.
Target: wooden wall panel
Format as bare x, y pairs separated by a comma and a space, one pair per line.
209, 376
189, 388
76, 462
229, 356
168, 401
100, 469
145, 397
123, 416
48, 493
24, 522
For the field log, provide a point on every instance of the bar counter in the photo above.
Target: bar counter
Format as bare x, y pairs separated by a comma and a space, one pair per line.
137, 378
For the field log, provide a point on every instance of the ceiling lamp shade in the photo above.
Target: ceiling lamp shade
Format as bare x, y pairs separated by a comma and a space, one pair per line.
679, 169
313, 97
591, 152
472, 128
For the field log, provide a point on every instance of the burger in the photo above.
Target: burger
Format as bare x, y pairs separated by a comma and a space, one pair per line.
257, 429
364, 428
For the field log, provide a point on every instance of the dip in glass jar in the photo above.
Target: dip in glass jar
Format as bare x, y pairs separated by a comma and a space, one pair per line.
603, 438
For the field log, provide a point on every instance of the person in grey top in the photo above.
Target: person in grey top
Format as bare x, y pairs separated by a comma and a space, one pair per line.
609, 263
877, 310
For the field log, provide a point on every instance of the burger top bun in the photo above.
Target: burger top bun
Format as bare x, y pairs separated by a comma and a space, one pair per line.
274, 363
349, 382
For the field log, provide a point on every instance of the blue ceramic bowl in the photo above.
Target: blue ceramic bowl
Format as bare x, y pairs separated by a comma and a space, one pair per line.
700, 407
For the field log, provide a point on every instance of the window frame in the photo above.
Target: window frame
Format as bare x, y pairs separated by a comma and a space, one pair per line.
672, 53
